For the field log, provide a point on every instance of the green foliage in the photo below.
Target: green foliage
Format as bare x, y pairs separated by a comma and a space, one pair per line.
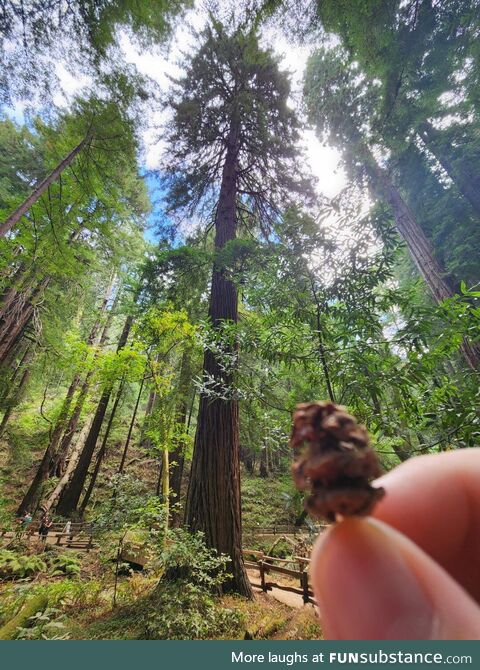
13, 566
185, 607
64, 564
188, 612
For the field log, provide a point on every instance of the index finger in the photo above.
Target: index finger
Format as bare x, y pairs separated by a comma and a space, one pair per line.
435, 501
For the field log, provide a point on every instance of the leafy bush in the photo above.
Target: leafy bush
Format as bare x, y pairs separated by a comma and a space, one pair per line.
186, 611
184, 603
46, 625
12, 565
64, 564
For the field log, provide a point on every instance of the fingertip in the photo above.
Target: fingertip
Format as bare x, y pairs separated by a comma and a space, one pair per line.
371, 582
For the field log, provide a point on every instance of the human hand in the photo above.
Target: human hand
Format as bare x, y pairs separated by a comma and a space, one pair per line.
413, 570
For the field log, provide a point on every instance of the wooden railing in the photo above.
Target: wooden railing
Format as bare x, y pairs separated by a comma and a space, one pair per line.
80, 535
282, 529
270, 564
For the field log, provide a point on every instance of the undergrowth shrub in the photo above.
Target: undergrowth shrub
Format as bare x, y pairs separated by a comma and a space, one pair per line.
14, 566
184, 604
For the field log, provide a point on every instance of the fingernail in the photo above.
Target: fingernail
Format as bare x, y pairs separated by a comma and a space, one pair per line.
365, 587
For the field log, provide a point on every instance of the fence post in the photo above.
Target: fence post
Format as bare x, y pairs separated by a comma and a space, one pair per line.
262, 576
304, 586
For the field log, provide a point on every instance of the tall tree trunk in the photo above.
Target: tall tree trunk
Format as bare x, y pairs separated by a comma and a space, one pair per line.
57, 463
15, 216
321, 346
51, 463
19, 307
166, 486
213, 500
466, 181
177, 455
145, 442
418, 245
70, 496
130, 428
15, 399
16, 320
101, 452
72, 462
8, 383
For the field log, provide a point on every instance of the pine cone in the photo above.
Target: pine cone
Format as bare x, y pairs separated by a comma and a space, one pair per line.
334, 460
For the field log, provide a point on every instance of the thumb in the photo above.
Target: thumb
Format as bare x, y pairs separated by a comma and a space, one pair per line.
372, 582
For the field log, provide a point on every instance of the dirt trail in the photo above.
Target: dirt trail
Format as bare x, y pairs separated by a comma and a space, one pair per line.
291, 599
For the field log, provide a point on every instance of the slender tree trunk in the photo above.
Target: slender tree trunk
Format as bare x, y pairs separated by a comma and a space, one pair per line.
8, 384
101, 452
263, 472
177, 455
17, 396
418, 245
166, 486
130, 429
15, 216
16, 320
53, 459
71, 494
145, 442
72, 462
213, 500
24, 360
19, 308
57, 463
467, 181
321, 346
31, 497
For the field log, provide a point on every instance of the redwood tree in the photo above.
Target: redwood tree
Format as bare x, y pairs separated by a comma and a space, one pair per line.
232, 156
341, 104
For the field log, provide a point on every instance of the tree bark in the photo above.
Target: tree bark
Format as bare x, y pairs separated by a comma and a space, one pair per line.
15, 216
467, 182
72, 462
145, 442
54, 456
70, 496
17, 319
130, 428
101, 452
15, 399
213, 499
57, 463
418, 245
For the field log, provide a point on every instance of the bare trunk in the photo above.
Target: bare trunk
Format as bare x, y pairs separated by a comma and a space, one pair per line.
166, 486
72, 462
71, 495
15, 399
213, 500
101, 452
467, 182
53, 459
17, 319
15, 216
130, 428
145, 442
418, 245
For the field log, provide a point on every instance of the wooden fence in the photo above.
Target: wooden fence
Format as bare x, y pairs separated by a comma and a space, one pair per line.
282, 529
267, 565
80, 535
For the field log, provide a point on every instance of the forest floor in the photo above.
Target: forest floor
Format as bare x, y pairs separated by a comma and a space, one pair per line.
294, 600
